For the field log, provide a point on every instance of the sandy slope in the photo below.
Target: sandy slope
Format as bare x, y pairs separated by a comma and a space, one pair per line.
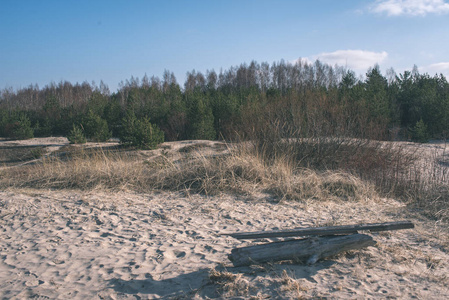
97, 245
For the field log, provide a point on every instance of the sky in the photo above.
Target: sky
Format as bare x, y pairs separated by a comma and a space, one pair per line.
111, 40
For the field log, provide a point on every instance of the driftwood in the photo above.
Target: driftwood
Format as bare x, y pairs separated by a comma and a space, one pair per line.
327, 241
330, 230
309, 249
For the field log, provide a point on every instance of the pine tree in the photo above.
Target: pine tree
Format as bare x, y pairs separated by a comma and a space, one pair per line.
96, 129
140, 133
19, 127
419, 132
200, 117
76, 135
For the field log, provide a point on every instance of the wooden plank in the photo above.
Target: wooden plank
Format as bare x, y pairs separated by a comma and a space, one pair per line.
307, 250
329, 230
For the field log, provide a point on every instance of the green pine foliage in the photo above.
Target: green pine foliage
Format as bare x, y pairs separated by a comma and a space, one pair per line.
140, 133
76, 135
419, 132
201, 117
314, 99
376, 96
4, 118
42, 128
96, 128
19, 127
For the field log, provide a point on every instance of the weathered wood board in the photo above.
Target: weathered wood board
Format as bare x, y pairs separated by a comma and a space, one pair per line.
329, 230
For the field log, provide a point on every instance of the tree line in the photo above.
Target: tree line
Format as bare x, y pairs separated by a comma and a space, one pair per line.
313, 99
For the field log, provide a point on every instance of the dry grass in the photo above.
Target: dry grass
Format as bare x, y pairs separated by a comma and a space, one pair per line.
80, 169
294, 169
13, 155
229, 284
289, 284
399, 170
238, 171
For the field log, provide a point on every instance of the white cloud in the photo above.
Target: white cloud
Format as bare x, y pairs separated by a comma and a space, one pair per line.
411, 7
358, 60
442, 67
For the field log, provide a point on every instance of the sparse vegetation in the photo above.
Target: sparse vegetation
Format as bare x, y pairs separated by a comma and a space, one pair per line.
293, 136
10, 156
371, 169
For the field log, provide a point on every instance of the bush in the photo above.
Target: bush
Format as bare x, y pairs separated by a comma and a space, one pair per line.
419, 132
42, 130
96, 128
76, 136
140, 133
201, 118
20, 128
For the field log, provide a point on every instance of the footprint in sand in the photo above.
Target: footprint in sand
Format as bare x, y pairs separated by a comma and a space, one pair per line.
210, 249
179, 254
159, 256
33, 282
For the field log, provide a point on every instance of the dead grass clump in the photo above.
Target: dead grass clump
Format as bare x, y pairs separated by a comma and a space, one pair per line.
373, 161
235, 172
80, 170
289, 284
308, 184
229, 284
425, 184
346, 187
433, 201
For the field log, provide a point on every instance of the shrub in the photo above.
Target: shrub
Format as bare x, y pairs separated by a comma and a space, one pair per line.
96, 128
140, 133
76, 136
37, 153
201, 118
20, 128
42, 130
419, 132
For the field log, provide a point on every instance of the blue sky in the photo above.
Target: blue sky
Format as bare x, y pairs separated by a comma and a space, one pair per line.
112, 40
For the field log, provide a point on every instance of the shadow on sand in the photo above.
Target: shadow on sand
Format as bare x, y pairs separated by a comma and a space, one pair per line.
185, 286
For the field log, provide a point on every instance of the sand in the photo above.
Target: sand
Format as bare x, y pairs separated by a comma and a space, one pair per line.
98, 245
69, 244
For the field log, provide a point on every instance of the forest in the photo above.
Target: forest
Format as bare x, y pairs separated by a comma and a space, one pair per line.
311, 99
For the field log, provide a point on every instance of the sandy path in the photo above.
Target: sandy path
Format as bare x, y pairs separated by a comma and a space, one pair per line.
74, 245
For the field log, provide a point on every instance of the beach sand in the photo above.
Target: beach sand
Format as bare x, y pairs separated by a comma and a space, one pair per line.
100, 244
